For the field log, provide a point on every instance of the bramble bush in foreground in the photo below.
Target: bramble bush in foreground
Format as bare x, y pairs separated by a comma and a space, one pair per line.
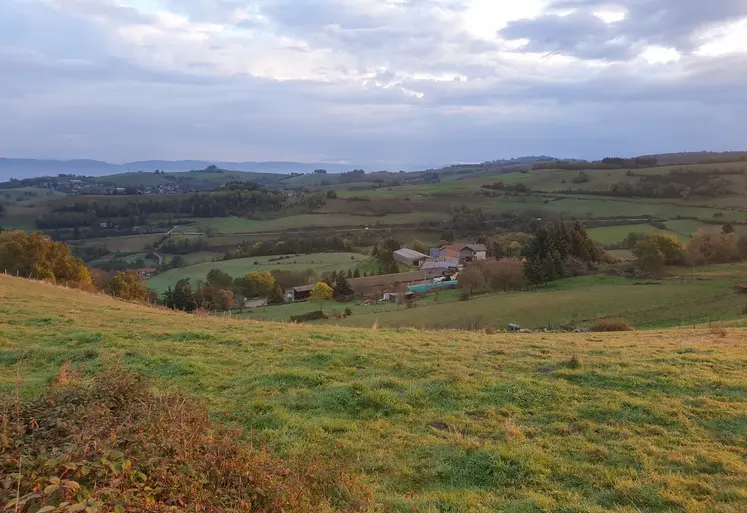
111, 444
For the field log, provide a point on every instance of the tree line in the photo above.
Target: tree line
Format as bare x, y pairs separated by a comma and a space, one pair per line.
607, 163
230, 202
304, 244
654, 251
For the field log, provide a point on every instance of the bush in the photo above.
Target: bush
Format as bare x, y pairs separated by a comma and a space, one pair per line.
311, 316
612, 324
348, 312
114, 445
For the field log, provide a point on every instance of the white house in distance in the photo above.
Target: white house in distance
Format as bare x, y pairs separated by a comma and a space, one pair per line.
409, 257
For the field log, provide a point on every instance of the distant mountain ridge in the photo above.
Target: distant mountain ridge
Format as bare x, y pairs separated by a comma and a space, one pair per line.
31, 168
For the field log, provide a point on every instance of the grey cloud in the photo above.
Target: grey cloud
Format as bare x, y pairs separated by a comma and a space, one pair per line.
581, 34
669, 23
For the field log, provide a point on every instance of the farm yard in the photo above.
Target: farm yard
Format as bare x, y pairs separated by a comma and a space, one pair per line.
682, 299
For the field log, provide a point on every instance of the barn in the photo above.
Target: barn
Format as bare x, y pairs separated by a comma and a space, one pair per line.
409, 257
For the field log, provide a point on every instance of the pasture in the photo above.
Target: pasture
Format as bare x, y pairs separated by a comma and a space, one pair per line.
318, 262
578, 301
230, 225
433, 421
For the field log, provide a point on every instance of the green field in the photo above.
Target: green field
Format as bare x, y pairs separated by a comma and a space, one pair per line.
27, 193
615, 234
580, 301
126, 244
319, 262
282, 313
228, 225
433, 421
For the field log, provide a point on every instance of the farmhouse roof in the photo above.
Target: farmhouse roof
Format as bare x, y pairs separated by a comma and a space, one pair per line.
473, 247
455, 247
477, 247
438, 264
303, 288
410, 254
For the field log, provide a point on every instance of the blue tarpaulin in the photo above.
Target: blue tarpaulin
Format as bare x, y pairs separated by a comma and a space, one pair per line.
428, 287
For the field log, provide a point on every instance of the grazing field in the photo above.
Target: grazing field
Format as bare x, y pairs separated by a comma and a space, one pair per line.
434, 421
616, 234
126, 244
229, 225
580, 301
282, 313
319, 262
26, 193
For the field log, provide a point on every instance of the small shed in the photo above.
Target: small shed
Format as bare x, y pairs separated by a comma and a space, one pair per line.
401, 298
409, 257
300, 293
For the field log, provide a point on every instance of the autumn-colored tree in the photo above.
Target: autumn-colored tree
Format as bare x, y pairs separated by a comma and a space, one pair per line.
321, 292
649, 256
506, 274
37, 256
472, 280
211, 297
127, 285
714, 246
669, 246
255, 284
419, 246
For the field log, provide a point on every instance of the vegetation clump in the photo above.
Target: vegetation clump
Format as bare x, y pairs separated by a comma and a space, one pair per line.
612, 324
151, 453
316, 315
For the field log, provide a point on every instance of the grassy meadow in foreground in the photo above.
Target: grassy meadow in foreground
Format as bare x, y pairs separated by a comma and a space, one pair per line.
435, 421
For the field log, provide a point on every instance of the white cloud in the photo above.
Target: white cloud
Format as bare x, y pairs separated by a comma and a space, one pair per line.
655, 54
726, 39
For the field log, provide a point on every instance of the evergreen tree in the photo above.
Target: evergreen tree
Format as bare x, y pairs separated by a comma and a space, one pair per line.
357, 273
183, 297
342, 288
534, 270
169, 298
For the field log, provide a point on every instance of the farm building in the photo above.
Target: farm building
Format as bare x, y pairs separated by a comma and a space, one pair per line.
409, 257
399, 298
377, 285
438, 268
300, 293
464, 252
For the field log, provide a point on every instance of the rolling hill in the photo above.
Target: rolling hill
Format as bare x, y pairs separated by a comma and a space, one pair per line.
30, 168
433, 420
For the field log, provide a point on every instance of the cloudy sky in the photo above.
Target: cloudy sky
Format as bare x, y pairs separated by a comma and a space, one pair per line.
381, 82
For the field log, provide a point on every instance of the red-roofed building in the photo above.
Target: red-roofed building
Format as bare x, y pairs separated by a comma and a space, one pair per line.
464, 253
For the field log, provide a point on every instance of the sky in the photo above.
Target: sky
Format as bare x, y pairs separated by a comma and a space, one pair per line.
386, 83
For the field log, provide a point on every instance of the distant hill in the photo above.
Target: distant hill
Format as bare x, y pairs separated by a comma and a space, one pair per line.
698, 157
31, 168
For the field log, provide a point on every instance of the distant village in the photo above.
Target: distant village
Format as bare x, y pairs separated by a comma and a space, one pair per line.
89, 186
